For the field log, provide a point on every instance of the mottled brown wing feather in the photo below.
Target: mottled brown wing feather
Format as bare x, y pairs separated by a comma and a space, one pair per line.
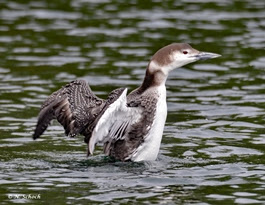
74, 106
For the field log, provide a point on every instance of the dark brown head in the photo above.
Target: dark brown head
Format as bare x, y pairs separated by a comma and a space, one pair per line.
176, 55
169, 58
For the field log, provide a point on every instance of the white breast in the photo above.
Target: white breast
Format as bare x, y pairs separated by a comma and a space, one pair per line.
150, 148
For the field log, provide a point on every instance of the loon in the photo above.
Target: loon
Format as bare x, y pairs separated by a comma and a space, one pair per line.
129, 126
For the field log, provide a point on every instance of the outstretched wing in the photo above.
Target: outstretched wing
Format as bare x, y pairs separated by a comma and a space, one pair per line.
114, 122
74, 106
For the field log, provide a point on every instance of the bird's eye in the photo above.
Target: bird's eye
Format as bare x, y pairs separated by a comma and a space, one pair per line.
185, 52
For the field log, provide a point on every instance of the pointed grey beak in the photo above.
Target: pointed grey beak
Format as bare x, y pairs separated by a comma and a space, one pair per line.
206, 55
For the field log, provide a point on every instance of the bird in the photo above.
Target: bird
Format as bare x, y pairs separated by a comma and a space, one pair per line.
129, 126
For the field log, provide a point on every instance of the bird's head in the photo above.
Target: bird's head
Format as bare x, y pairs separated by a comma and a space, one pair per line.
176, 55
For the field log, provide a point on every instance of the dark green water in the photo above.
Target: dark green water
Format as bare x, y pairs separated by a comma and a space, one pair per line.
213, 148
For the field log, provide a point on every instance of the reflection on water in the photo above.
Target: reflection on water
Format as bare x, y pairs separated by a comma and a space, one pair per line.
213, 146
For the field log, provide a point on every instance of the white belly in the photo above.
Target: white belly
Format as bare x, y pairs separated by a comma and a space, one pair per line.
150, 148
